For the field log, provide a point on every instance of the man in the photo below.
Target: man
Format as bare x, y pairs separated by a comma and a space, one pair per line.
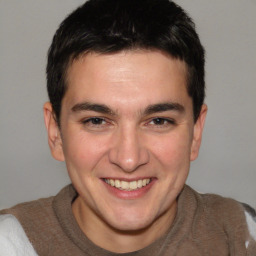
126, 113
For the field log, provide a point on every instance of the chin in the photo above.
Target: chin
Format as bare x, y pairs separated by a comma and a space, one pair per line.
131, 222
131, 227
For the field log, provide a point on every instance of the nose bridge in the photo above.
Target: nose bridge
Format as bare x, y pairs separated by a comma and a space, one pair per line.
128, 151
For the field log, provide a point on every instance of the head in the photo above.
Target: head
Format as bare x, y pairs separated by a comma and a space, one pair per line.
112, 26
126, 85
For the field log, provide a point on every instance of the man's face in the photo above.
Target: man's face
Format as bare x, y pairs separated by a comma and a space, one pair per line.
128, 136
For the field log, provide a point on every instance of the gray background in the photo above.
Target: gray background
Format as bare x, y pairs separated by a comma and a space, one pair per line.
227, 160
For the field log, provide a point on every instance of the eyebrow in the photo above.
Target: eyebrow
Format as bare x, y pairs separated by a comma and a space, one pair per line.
151, 109
156, 108
85, 106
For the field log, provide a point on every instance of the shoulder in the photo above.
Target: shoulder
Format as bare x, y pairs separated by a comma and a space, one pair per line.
227, 213
250, 216
237, 220
31, 215
23, 226
13, 240
219, 205
42, 206
41, 212
228, 209
40, 220
217, 212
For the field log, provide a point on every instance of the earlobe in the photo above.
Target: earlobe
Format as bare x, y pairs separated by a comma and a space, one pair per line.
54, 136
198, 132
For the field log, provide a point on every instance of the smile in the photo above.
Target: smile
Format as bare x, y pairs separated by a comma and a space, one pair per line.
126, 185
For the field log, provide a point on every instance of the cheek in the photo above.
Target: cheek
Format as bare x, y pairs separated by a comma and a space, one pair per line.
83, 152
173, 151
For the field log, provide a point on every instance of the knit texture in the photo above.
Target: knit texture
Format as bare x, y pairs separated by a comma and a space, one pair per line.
205, 224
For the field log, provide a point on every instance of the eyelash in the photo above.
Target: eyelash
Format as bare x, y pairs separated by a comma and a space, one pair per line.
162, 121
93, 119
103, 123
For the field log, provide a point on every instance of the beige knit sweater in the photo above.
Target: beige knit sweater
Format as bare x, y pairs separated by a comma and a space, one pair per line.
204, 225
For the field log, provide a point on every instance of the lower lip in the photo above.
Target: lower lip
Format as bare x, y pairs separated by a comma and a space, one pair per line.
134, 194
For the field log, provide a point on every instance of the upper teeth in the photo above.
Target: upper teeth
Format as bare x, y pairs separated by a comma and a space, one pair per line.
126, 185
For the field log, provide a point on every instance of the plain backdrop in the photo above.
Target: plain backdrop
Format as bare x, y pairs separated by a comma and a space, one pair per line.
227, 161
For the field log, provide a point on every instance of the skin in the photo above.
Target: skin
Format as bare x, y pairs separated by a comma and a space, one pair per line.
126, 116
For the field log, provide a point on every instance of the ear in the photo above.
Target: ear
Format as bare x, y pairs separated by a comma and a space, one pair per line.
54, 136
198, 132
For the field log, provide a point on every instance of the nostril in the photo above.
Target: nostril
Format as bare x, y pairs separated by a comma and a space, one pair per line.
129, 162
127, 151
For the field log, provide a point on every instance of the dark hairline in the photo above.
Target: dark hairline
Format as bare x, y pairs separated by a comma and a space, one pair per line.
131, 49
77, 36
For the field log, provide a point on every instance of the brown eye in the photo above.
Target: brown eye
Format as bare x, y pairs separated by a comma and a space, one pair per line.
161, 121
95, 121
97, 124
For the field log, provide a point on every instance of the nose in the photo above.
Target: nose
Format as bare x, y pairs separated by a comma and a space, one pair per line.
128, 151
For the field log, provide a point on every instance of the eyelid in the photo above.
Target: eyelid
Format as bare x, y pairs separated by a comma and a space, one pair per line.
168, 119
103, 125
106, 123
86, 120
167, 125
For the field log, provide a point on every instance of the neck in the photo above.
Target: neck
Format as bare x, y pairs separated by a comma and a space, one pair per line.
120, 241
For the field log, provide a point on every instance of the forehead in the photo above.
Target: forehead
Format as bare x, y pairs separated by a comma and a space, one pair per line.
124, 77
